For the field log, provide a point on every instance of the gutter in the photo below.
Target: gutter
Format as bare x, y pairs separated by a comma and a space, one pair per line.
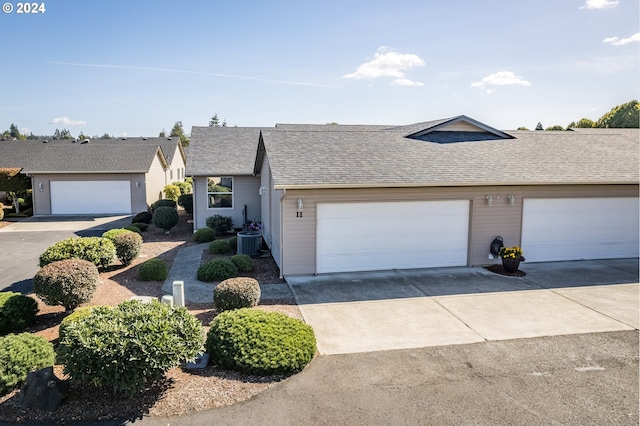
445, 184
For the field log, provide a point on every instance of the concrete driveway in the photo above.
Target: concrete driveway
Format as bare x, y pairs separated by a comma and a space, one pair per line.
23, 242
374, 311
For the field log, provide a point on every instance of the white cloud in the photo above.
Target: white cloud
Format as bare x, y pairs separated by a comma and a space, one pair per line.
500, 78
406, 82
600, 4
622, 41
68, 122
25, 131
388, 63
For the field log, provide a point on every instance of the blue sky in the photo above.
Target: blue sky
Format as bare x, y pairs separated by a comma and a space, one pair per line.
136, 67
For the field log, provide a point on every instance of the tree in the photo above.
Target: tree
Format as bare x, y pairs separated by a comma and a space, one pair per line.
539, 126
554, 127
178, 131
62, 134
215, 121
584, 123
106, 136
622, 116
82, 136
15, 184
14, 132
522, 128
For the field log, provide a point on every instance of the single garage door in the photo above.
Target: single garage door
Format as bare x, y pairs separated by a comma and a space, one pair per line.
391, 235
90, 197
579, 228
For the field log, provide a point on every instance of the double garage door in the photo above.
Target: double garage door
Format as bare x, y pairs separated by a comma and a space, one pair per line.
90, 197
580, 228
390, 235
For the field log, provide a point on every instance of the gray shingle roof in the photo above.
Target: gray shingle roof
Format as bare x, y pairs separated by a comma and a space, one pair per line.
222, 150
67, 157
387, 158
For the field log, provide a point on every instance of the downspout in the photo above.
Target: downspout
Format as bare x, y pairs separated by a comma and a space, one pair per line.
282, 213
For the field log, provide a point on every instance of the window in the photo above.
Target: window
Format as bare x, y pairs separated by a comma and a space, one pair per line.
220, 192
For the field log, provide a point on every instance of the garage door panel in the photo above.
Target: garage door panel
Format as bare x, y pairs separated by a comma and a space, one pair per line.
388, 235
90, 197
583, 228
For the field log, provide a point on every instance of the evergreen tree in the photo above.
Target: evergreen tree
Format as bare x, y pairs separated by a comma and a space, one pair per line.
178, 131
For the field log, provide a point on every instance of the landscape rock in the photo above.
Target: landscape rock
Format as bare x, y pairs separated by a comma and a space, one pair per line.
43, 390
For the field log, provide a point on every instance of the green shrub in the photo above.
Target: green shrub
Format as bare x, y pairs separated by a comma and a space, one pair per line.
204, 235
97, 250
68, 282
128, 246
126, 347
243, 262
219, 247
113, 232
236, 293
258, 342
171, 192
233, 244
165, 218
185, 187
142, 217
165, 202
140, 225
77, 315
21, 354
217, 270
17, 312
133, 228
186, 201
153, 270
220, 224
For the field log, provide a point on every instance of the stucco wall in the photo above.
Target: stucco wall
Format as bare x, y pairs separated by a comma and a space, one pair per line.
486, 222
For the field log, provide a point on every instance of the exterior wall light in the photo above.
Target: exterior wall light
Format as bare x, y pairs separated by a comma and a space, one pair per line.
489, 200
40, 187
300, 206
512, 199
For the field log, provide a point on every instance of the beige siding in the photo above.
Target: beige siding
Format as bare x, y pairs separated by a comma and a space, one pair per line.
155, 183
175, 173
486, 222
461, 126
245, 192
42, 199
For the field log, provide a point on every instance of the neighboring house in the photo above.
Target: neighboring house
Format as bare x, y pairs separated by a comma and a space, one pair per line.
355, 198
95, 176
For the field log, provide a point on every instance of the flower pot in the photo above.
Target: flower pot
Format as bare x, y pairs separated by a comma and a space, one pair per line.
510, 265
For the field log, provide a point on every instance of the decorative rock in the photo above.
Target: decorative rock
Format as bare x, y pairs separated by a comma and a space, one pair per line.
167, 299
144, 299
201, 362
43, 390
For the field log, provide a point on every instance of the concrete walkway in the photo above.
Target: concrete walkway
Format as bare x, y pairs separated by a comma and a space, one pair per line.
185, 268
374, 311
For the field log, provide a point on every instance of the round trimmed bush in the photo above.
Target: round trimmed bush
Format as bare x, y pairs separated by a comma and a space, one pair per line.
165, 202
186, 201
204, 235
68, 282
97, 250
133, 228
219, 223
217, 270
140, 225
258, 342
153, 270
233, 244
236, 293
21, 354
172, 192
128, 246
142, 217
219, 247
243, 262
126, 347
17, 312
113, 232
165, 218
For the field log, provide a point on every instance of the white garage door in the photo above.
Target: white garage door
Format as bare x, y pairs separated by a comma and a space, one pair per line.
580, 228
391, 235
90, 197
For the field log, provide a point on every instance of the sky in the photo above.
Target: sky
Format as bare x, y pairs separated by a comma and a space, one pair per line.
134, 68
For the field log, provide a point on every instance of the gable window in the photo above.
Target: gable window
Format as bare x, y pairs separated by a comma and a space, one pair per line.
220, 192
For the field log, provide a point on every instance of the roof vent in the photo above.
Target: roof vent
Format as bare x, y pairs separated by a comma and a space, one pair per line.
45, 141
144, 139
124, 139
169, 138
85, 141
3, 139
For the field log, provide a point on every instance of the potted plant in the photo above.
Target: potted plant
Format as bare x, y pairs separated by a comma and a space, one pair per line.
511, 258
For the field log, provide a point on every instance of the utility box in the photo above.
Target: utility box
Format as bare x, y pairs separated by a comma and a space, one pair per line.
249, 242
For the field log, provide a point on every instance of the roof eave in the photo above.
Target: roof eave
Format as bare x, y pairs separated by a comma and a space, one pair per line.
445, 184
